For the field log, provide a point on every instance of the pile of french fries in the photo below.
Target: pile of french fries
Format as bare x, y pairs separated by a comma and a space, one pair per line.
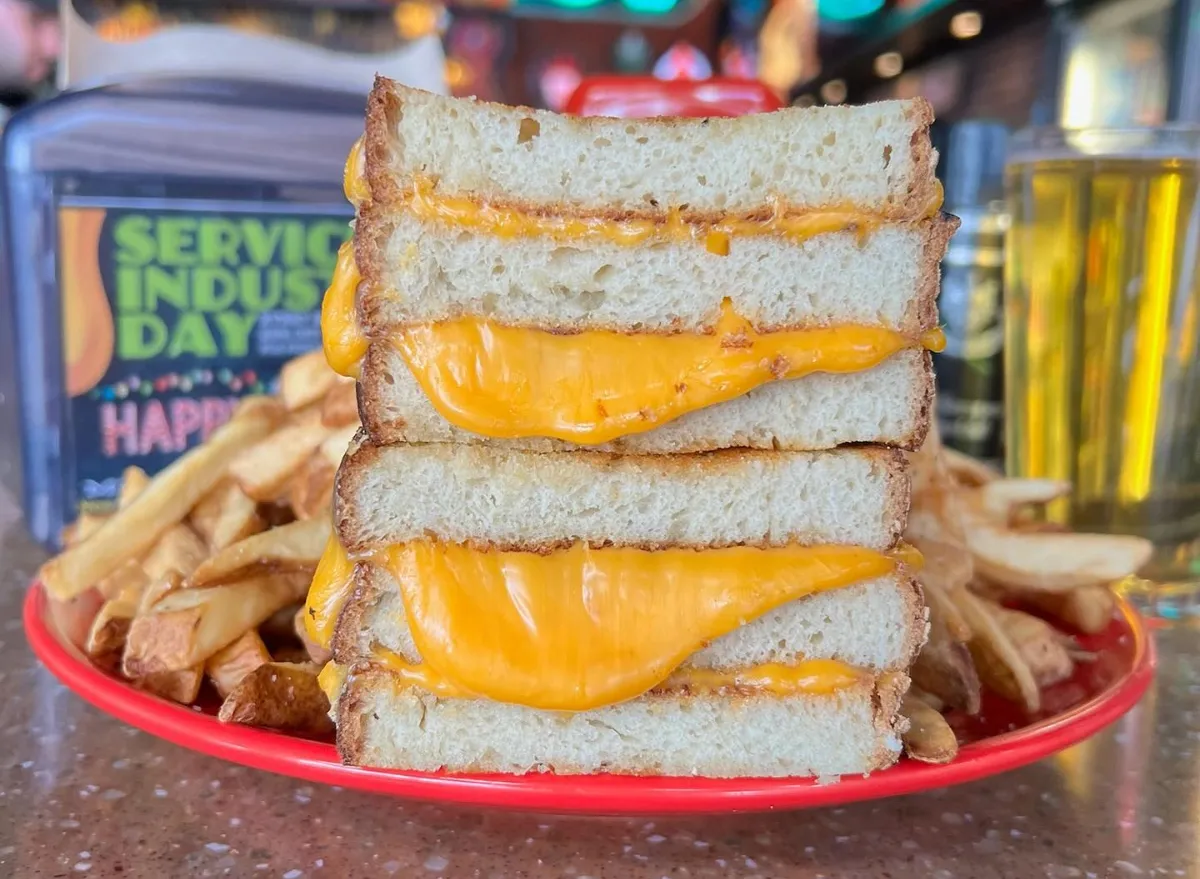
201, 572
988, 553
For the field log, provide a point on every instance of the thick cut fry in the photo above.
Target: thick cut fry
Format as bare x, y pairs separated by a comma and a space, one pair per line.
280, 695
1044, 649
1000, 664
294, 547
226, 515
130, 532
1054, 562
929, 738
85, 526
944, 666
1004, 499
340, 406
179, 686
318, 654
134, 481
1088, 609
305, 379
334, 448
311, 491
106, 639
156, 590
965, 470
180, 549
188, 626
944, 611
228, 666
263, 471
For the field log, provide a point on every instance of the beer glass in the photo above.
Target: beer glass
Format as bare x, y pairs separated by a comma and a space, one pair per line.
1102, 317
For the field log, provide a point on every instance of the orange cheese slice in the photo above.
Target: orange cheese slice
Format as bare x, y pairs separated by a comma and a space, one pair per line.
580, 627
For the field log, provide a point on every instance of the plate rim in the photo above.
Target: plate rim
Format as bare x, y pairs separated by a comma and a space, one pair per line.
318, 762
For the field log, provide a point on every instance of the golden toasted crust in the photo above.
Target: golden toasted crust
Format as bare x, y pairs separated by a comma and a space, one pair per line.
365, 679
385, 105
362, 457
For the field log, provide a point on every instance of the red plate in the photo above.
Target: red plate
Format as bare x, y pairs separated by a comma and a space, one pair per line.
1001, 738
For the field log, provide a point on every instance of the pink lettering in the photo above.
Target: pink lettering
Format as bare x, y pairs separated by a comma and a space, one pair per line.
118, 428
215, 412
186, 419
156, 432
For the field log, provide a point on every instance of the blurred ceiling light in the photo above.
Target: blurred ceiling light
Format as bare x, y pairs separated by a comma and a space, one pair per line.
888, 64
834, 91
966, 25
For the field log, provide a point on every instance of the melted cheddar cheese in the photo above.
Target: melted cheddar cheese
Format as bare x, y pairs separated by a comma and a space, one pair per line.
344, 342
599, 385
580, 627
424, 201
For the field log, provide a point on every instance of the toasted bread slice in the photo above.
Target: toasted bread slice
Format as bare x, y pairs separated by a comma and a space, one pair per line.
879, 624
535, 501
875, 158
890, 279
889, 404
887, 278
856, 730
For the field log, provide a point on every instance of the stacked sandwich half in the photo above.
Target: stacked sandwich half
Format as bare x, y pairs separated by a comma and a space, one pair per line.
630, 489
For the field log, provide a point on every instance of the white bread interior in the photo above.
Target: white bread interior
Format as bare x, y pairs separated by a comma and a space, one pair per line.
889, 404
532, 500
712, 734
875, 158
878, 624
420, 271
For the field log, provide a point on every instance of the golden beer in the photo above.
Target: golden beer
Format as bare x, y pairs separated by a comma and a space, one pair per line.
1101, 328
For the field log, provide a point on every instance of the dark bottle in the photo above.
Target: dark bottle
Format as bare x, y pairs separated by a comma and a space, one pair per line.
970, 372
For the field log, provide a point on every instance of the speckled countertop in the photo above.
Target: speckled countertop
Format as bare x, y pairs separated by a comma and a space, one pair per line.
83, 794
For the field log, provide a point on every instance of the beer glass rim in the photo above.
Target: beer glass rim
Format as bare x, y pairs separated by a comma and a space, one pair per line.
1177, 139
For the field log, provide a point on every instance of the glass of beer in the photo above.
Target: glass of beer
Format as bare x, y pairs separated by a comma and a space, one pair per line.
1102, 322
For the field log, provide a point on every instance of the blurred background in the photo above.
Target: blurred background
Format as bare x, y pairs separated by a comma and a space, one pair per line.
1081, 62
143, 130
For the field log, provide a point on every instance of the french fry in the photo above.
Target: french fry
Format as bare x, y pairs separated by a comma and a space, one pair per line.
311, 491
181, 686
133, 482
1004, 499
179, 549
1043, 648
967, 471
131, 532
158, 589
305, 379
1000, 664
226, 515
1088, 609
1052, 562
929, 738
335, 446
263, 470
186, 627
944, 666
280, 695
316, 652
228, 666
86, 524
106, 638
294, 547
340, 406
